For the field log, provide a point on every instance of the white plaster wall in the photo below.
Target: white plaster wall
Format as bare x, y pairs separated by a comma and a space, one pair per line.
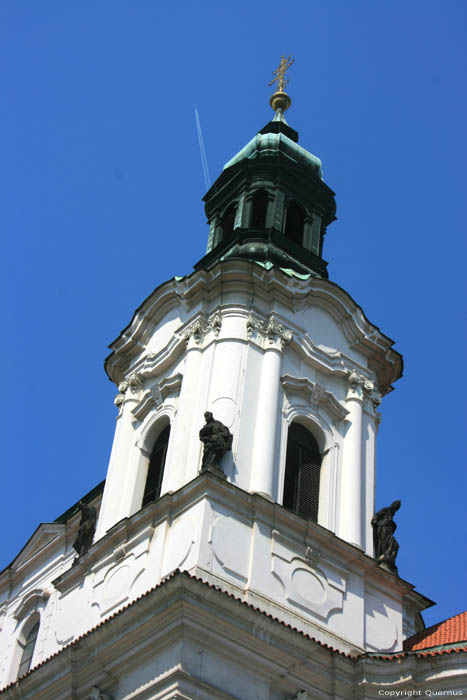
245, 545
221, 370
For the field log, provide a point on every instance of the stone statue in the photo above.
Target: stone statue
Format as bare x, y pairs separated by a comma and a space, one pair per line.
217, 440
86, 530
386, 545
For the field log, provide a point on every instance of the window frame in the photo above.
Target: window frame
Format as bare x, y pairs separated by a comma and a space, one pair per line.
310, 461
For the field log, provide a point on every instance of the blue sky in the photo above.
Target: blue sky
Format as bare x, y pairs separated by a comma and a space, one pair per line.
101, 185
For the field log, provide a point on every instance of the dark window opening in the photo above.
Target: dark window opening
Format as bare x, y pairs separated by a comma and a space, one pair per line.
28, 651
302, 472
294, 223
259, 210
152, 490
228, 221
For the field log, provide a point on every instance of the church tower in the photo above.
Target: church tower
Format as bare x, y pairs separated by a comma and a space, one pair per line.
287, 362
230, 553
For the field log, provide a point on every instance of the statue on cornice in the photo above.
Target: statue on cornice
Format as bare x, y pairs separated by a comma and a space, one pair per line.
86, 530
217, 440
386, 545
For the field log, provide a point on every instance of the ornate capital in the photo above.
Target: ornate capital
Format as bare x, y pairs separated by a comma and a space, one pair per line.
355, 379
269, 332
362, 388
201, 327
134, 383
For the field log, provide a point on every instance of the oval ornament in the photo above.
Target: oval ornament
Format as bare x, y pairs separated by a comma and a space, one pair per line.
308, 586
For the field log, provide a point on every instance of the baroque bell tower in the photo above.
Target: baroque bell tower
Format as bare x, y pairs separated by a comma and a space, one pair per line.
234, 551
290, 367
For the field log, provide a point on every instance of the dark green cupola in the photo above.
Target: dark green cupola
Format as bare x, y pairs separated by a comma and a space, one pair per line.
270, 203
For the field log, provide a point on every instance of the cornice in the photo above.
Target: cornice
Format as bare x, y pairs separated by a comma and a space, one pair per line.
176, 609
314, 394
245, 505
247, 279
155, 396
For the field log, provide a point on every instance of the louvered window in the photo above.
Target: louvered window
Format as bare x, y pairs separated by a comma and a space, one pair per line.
259, 210
28, 651
294, 223
228, 221
302, 472
152, 490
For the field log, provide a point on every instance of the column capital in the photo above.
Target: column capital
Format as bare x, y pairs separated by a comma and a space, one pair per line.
129, 386
269, 334
198, 329
360, 387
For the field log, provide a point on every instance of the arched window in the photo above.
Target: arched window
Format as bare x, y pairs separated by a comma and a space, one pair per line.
228, 221
28, 650
294, 223
302, 471
152, 490
259, 210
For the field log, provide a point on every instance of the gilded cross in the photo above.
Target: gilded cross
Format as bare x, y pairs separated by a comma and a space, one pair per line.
279, 73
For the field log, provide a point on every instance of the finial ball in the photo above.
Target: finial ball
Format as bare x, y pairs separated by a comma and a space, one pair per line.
280, 100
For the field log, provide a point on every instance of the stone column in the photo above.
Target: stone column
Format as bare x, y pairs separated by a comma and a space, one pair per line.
181, 434
274, 336
278, 207
189, 417
371, 419
351, 511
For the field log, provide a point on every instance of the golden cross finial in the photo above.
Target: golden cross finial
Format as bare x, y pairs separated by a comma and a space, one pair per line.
279, 73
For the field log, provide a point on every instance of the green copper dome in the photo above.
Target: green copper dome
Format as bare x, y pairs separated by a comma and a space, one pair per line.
270, 144
270, 205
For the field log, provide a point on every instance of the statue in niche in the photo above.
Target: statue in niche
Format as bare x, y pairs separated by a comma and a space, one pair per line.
86, 530
386, 545
217, 440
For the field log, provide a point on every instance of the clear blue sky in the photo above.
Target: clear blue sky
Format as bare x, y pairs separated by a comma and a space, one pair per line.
101, 186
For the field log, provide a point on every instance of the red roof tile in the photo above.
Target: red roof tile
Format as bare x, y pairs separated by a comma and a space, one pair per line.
450, 631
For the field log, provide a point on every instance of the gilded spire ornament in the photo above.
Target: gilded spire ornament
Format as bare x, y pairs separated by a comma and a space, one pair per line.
280, 101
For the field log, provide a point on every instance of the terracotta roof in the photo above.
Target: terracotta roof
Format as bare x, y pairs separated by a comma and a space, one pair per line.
452, 631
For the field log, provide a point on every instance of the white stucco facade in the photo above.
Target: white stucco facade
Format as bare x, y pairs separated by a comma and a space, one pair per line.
259, 349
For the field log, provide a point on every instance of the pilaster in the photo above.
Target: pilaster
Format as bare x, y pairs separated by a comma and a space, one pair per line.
116, 492
353, 510
274, 336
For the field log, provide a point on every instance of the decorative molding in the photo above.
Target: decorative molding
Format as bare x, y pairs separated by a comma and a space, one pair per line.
360, 387
200, 327
312, 556
34, 600
269, 332
156, 395
266, 286
170, 385
314, 394
47, 537
134, 383
317, 590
